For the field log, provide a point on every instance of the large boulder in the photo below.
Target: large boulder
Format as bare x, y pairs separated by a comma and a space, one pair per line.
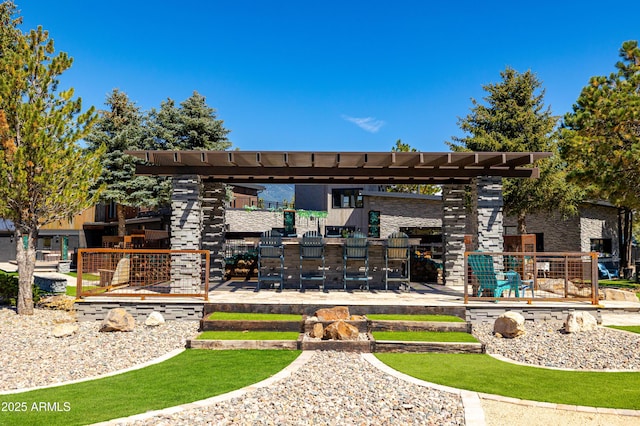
620, 295
64, 330
118, 320
333, 314
317, 331
340, 330
154, 319
579, 321
509, 325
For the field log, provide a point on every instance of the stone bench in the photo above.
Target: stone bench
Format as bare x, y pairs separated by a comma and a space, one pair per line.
51, 282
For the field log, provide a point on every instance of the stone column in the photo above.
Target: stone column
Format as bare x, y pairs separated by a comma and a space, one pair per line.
186, 233
490, 223
213, 231
453, 228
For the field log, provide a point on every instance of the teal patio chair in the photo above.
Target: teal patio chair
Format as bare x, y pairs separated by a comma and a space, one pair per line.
483, 269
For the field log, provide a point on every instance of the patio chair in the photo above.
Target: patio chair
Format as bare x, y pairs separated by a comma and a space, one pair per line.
312, 249
397, 260
271, 259
356, 251
483, 269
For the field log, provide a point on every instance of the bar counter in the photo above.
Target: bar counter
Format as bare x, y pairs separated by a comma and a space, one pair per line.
333, 254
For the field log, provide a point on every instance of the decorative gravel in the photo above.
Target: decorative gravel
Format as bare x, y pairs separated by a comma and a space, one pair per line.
30, 356
546, 344
333, 388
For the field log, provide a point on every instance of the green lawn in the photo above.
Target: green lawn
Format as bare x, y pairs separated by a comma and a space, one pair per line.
248, 335
85, 276
193, 375
424, 336
483, 373
434, 318
631, 328
248, 316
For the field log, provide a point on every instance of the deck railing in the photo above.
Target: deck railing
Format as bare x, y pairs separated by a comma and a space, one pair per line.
531, 276
143, 273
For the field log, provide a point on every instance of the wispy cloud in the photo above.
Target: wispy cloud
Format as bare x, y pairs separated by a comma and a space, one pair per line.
369, 124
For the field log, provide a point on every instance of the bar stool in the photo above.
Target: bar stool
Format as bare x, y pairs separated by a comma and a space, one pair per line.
356, 250
312, 249
271, 259
397, 265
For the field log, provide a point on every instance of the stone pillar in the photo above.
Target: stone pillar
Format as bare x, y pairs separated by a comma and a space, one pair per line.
453, 228
186, 233
213, 231
490, 223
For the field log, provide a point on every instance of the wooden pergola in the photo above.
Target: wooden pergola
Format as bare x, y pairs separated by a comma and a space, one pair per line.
339, 167
453, 170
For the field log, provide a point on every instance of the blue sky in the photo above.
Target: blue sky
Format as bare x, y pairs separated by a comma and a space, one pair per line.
332, 75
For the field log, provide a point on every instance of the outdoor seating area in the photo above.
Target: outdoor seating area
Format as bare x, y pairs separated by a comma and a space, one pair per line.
355, 262
531, 275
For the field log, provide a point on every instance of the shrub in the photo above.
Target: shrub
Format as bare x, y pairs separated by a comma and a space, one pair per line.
9, 289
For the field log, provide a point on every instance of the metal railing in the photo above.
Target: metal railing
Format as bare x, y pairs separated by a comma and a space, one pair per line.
531, 276
143, 273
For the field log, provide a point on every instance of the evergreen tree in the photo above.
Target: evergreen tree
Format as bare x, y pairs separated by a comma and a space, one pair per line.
44, 175
601, 140
120, 128
193, 125
515, 119
410, 189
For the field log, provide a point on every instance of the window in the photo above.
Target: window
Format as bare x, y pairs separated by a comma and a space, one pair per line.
601, 245
347, 198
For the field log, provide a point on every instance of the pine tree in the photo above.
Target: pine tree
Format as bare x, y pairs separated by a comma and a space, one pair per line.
601, 140
44, 175
515, 119
406, 188
193, 125
120, 128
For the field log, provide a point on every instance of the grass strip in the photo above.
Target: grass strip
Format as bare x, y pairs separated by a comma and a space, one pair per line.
191, 376
401, 317
85, 276
248, 335
631, 328
424, 336
249, 316
482, 373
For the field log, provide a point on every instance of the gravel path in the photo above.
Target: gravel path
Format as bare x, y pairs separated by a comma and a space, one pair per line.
333, 388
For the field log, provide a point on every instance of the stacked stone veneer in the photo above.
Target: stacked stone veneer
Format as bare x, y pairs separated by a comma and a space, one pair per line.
482, 314
213, 227
92, 310
241, 220
186, 231
453, 231
396, 213
490, 223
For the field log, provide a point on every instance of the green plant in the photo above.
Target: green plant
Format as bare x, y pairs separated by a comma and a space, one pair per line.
9, 289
